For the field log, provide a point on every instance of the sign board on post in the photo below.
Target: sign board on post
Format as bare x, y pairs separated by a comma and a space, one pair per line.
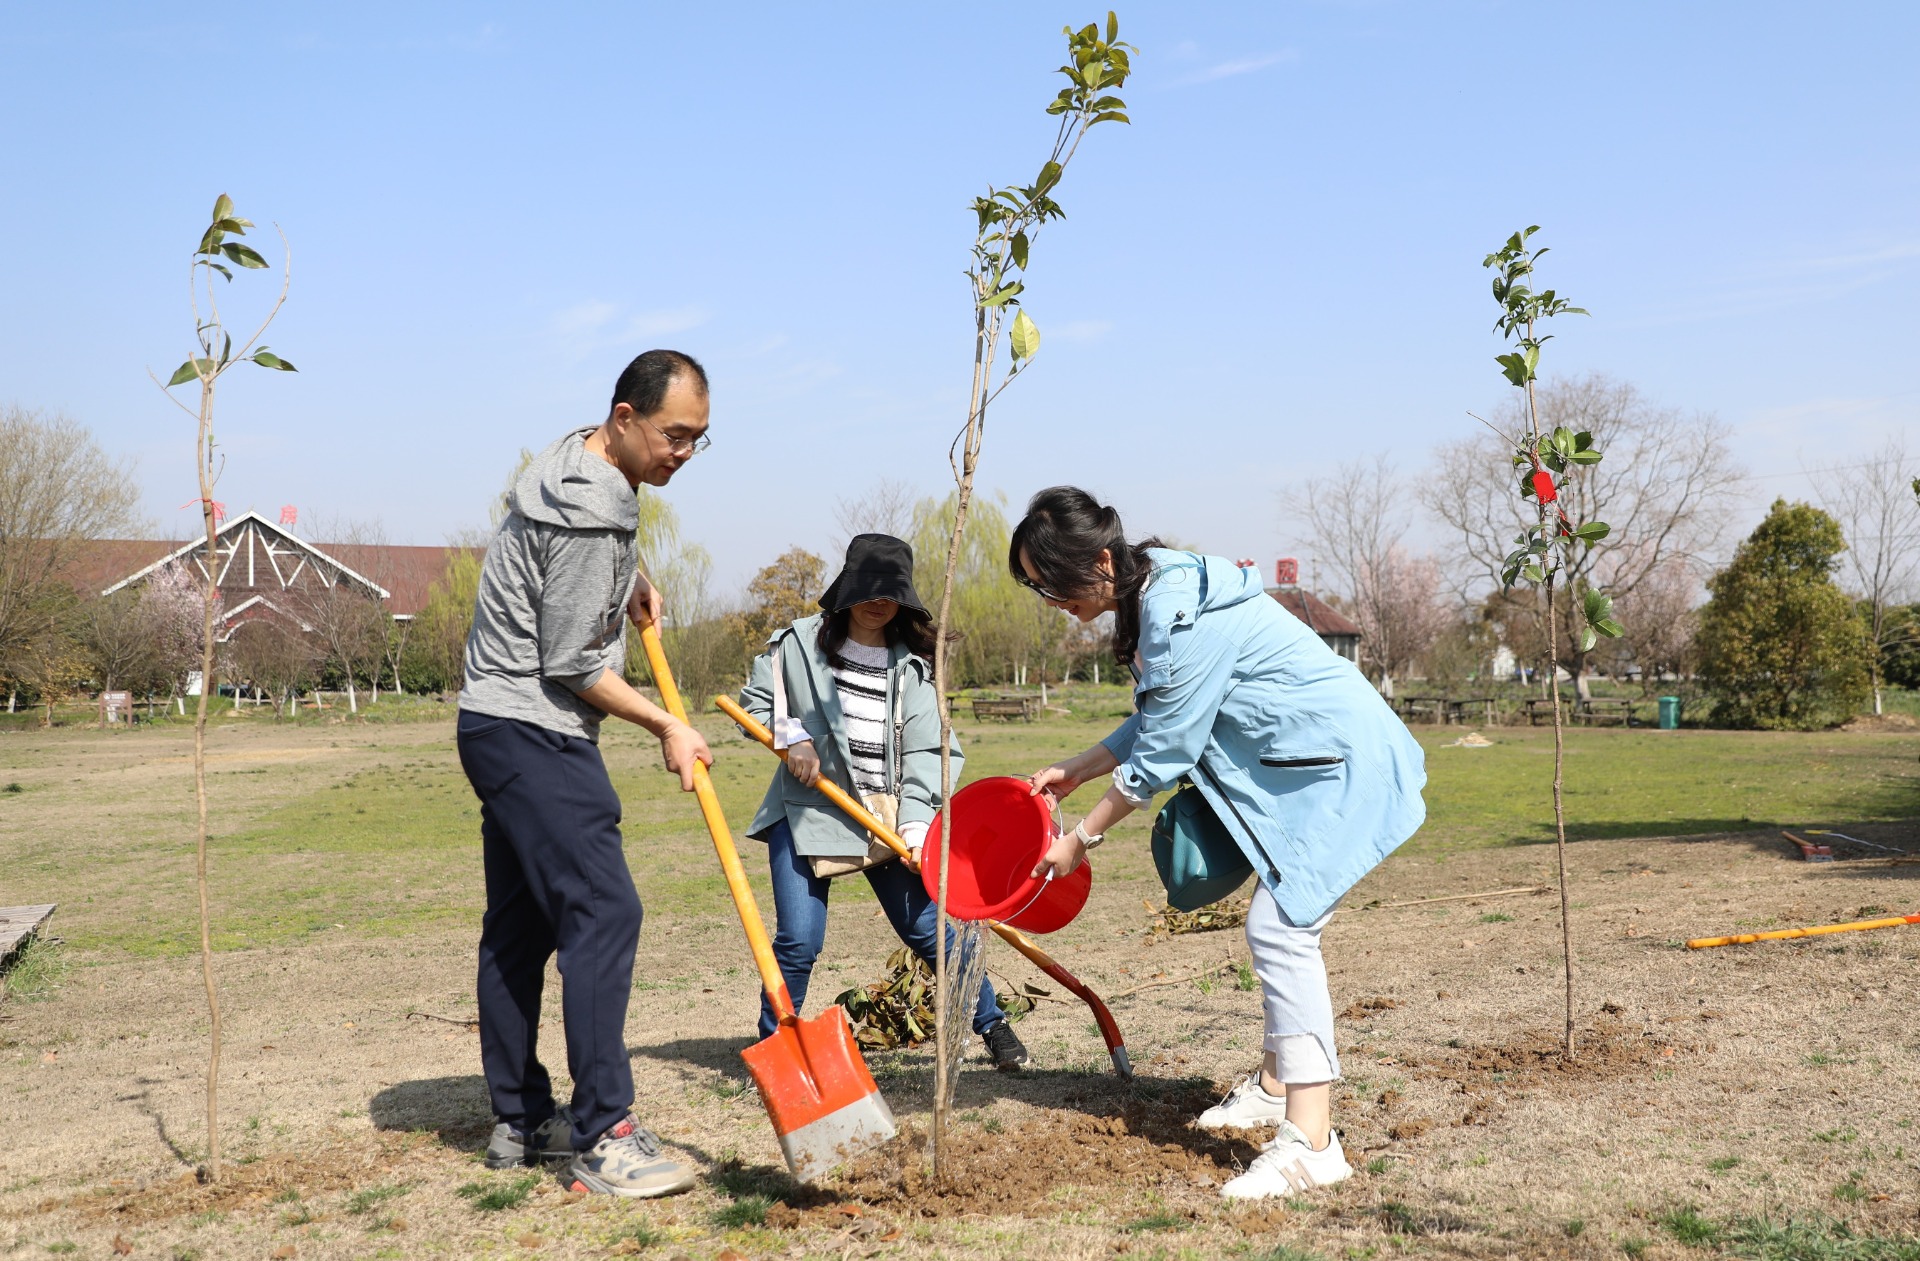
116, 706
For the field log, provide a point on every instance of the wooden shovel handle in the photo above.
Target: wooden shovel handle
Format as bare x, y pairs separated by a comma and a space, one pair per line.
832, 791
770, 977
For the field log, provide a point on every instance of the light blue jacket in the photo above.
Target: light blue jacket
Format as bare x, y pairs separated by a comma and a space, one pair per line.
1310, 770
820, 827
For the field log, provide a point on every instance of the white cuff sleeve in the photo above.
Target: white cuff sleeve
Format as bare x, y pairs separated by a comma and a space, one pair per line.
914, 834
788, 732
1120, 783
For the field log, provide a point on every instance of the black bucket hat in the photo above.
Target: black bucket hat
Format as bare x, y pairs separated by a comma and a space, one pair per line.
878, 567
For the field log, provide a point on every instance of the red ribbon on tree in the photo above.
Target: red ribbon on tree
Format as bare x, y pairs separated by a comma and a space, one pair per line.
1543, 488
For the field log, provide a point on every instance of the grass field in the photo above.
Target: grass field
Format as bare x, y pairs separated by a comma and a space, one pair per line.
1755, 1102
392, 846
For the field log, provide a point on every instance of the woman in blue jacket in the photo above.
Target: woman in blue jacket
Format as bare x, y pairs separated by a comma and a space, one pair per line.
848, 693
1297, 755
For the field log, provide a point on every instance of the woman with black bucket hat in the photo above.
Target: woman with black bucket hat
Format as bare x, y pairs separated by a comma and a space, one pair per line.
848, 693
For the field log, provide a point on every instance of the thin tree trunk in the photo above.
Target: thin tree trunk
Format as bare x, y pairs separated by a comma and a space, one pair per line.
969, 455
1550, 524
1560, 820
207, 684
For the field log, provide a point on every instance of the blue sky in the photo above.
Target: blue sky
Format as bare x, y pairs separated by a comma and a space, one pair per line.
1275, 268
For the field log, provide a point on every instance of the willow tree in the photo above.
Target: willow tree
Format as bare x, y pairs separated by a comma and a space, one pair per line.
1007, 222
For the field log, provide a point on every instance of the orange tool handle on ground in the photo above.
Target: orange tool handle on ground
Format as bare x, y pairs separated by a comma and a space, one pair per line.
770, 978
1859, 925
1109, 1028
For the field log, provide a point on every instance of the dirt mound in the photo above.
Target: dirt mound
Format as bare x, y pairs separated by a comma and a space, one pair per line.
1534, 1059
1136, 1145
1880, 722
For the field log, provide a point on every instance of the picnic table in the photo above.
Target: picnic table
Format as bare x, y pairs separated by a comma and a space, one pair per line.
1539, 710
1457, 710
1007, 707
1412, 708
1601, 709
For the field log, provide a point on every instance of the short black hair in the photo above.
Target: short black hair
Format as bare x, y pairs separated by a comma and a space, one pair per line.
643, 385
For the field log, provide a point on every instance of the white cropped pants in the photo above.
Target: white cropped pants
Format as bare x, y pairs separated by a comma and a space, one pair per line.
1293, 976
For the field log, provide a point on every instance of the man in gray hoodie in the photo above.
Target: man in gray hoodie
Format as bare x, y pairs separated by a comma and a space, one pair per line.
543, 667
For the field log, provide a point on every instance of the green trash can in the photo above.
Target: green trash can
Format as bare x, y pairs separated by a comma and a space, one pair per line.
1669, 713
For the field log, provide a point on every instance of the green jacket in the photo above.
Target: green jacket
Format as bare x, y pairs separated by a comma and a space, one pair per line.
819, 827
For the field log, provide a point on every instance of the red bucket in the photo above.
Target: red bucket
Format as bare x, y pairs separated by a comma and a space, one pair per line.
1004, 830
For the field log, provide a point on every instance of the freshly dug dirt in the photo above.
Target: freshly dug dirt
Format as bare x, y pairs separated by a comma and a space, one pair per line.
1113, 1146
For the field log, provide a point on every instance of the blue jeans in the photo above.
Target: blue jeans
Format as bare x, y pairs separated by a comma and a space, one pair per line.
800, 914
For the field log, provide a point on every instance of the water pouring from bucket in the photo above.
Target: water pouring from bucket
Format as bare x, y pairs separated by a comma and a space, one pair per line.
1003, 832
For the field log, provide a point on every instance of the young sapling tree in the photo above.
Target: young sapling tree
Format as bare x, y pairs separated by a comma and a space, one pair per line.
214, 355
1007, 222
1546, 460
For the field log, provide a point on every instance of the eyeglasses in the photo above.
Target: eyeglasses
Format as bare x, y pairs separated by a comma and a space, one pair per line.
681, 446
1037, 589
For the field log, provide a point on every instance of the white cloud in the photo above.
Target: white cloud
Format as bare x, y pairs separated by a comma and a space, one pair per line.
1078, 332
1775, 284
1239, 66
589, 326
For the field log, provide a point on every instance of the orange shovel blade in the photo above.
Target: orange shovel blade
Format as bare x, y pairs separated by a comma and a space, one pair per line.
824, 1104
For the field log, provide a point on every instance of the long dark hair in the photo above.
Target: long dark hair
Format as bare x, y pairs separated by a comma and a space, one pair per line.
1063, 534
909, 626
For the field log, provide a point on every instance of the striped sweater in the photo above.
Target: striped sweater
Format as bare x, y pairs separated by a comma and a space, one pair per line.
860, 676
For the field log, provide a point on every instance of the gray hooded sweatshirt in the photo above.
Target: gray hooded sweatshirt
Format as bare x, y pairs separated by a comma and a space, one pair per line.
550, 617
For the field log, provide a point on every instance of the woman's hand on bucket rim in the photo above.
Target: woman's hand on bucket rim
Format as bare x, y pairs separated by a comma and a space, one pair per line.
1056, 781
1063, 857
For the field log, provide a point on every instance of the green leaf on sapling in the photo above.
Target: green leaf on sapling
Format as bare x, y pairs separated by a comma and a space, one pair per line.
1587, 639
221, 268
1018, 248
1025, 337
1593, 531
1610, 628
190, 371
1597, 605
1049, 176
1112, 116
1534, 573
268, 359
245, 255
1003, 295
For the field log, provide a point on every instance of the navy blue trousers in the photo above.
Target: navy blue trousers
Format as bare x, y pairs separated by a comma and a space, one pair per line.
557, 882
800, 915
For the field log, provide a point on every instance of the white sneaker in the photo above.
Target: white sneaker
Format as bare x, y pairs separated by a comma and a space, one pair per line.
1289, 1166
1246, 1107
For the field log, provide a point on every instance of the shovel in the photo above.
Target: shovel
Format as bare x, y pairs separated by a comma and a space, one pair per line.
1109, 1030
822, 1100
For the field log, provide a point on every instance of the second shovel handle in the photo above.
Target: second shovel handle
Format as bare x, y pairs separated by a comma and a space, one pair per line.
826, 787
763, 958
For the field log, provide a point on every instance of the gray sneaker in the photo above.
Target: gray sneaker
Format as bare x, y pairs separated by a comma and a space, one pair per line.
627, 1161
552, 1139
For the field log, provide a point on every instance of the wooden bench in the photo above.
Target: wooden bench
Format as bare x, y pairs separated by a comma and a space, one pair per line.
18, 923
1606, 709
1458, 711
1007, 707
1539, 710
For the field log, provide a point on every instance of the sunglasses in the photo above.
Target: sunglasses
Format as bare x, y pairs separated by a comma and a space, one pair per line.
1037, 589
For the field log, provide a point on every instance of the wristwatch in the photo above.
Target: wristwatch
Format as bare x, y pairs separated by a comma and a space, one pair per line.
1089, 841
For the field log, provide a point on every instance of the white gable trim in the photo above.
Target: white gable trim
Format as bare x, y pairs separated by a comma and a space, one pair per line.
262, 525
